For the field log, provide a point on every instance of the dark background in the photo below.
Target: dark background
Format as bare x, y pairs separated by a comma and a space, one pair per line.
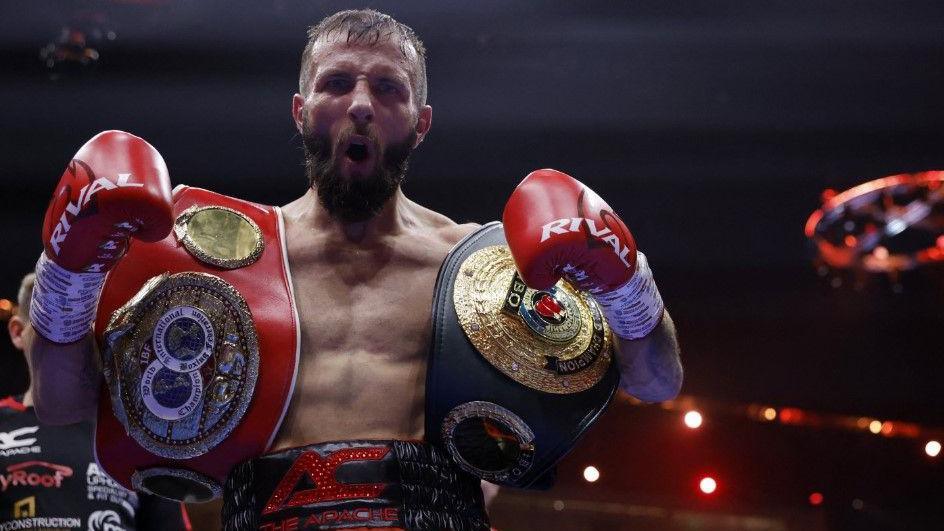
711, 126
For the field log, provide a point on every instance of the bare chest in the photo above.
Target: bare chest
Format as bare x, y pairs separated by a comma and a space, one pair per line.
382, 310
365, 327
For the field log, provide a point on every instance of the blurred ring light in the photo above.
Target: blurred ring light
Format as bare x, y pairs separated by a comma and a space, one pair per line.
73, 52
887, 225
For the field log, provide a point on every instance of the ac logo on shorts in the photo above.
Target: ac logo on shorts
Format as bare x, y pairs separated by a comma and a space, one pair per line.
313, 467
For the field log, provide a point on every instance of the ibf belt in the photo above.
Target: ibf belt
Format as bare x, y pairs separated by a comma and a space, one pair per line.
198, 340
398, 484
181, 359
516, 375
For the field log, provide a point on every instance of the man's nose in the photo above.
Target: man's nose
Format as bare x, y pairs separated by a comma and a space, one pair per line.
362, 107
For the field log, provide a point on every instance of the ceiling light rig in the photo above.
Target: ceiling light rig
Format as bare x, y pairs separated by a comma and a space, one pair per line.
886, 226
76, 50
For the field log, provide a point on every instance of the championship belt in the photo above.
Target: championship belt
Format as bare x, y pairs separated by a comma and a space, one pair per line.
515, 375
198, 337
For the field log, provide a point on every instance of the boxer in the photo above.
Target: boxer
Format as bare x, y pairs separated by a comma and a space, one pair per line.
364, 262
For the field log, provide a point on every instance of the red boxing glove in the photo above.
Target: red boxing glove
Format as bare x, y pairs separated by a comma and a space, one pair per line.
115, 187
557, 227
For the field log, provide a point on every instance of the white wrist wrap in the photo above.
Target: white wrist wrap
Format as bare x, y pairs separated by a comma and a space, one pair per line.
64, 303
634, 309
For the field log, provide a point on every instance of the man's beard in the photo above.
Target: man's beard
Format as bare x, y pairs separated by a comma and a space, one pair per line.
354, 199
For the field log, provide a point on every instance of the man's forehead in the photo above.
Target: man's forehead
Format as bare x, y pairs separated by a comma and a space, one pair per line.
335, 45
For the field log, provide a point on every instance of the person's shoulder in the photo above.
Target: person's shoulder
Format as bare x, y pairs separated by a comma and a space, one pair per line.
454, 233
445, 229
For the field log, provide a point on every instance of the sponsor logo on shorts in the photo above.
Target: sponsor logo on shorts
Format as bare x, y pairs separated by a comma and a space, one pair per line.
313, 468
34, 474
363, 515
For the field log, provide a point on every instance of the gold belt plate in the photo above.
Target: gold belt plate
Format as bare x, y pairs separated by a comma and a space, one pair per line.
555, 341
219, 236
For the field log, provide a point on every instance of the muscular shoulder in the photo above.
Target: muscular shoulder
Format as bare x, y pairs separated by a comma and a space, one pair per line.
447, 231
453, 234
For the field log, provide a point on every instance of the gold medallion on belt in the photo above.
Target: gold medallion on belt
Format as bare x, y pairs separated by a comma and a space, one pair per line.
219, 236
554, 340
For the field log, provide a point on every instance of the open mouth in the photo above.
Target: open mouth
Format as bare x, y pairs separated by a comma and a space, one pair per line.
357, 152
357, 149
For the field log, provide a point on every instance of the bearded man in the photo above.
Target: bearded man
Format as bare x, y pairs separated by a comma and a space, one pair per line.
288, 359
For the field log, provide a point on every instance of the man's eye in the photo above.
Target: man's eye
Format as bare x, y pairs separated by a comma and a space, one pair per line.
385, 87
336, 84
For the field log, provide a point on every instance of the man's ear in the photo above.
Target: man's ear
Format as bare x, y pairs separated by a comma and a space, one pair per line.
298, 107
423, 122
15, 327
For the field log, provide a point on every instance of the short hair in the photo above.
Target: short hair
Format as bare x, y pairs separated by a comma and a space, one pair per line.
368, 27
24, 296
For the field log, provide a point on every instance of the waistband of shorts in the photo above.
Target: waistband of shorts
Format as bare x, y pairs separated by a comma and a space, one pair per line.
348, 484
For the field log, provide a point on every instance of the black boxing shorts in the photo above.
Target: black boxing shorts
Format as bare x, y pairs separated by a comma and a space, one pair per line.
353, 484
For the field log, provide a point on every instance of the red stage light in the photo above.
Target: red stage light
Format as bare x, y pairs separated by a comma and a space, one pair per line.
791, 415
816, 498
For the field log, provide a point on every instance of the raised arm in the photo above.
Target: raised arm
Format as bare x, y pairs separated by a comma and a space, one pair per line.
650, 367
116, 187
557, 227
65, 380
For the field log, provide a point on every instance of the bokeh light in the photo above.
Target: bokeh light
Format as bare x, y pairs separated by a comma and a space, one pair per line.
708, 485
816, 498
693, 419
933, 448
591, 473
